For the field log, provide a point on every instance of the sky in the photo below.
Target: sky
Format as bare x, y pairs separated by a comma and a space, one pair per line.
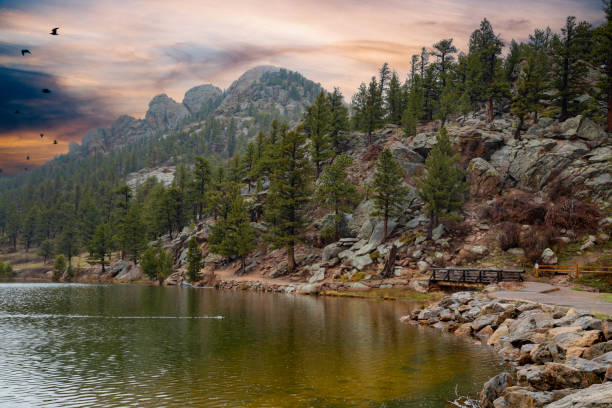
113, 56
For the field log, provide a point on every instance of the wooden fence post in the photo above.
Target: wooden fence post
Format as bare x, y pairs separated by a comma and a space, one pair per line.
577, 272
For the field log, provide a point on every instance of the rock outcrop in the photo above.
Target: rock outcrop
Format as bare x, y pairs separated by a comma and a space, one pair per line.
548, 344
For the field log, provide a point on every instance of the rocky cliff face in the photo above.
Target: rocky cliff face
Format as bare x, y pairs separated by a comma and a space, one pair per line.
260, 94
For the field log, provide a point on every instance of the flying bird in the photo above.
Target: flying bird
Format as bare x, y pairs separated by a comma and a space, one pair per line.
54, 31
27, 157
41, 135
55, 142
24, 52
46, 90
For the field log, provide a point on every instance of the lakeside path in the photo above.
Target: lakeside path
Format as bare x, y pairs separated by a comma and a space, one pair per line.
579, 300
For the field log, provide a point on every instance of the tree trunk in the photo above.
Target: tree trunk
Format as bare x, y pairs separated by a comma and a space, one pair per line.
385, 227
432, 221
490, 110
609, 103
103, 270
517, 133
243, 266
200, 211
390, 265
535, 117
290, 259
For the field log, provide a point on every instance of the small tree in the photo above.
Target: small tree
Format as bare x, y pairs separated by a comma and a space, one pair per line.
234, 236
194, 259
316, 126
101, 244
289, 195
156, 264
336, 192
46, 250
68, 242
442, 187
59, 267
389, 192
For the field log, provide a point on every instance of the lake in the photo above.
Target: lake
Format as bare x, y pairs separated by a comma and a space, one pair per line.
76, 345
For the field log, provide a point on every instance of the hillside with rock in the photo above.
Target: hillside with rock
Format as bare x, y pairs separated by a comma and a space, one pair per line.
570, 159
257, 97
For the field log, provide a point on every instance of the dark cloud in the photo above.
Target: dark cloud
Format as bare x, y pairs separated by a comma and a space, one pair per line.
22, 91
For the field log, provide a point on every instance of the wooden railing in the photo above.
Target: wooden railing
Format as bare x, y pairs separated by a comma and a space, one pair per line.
575, 270
475, 275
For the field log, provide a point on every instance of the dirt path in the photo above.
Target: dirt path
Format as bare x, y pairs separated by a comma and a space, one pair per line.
581, 301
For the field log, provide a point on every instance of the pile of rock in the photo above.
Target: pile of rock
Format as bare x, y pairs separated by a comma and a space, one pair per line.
561, 356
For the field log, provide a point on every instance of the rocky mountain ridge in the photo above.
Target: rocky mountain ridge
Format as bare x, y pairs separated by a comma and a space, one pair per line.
259, 95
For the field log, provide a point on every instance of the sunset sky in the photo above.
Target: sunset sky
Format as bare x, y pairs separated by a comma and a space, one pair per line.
113, 56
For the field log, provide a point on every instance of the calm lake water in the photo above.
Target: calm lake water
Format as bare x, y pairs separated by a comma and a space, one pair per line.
73, 345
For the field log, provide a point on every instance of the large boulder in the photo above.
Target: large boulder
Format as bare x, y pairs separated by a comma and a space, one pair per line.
378, 236
484, 179
330, 251
200, 96
548, 257
410, 160
595, 396
165, 113
362, 222
493, 388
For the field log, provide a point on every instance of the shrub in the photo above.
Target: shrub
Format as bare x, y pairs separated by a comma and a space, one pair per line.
509, 235
374, 255
518, 207
536, 241
573, 214
357, 277
6, 270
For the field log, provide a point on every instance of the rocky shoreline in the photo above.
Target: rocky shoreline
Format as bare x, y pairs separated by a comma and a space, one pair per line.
557, 357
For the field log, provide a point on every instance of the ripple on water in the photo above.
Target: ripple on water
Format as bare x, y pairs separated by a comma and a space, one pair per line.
111, 346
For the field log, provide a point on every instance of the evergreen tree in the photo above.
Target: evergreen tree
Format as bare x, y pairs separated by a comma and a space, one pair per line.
101, 244
367, 103
202, 175
444, 50
338, 120
156, 264
130, 234
46, 250
486, 46
316, 126
442, 187
195, 261
68, 241
335, 192
394, 100
570, 67
59, 267
234, 236
289, 195
530, 89
389, 190
603, 55
448, 102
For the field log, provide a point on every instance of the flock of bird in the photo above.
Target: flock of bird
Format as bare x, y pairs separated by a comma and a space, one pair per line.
44, 90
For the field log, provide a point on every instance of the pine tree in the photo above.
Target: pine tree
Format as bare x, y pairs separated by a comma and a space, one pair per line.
46, 250
389, 190
603, 55
570, 67
335, 192
316, 126
234, 236
59, 267
338, 120
289, 195
442, 187
367, 103
101, 244
394, 100
486, 46
68, 241
156, 264
530, 89
448, 102
444, 50
202, 175
130, 233
195, 261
